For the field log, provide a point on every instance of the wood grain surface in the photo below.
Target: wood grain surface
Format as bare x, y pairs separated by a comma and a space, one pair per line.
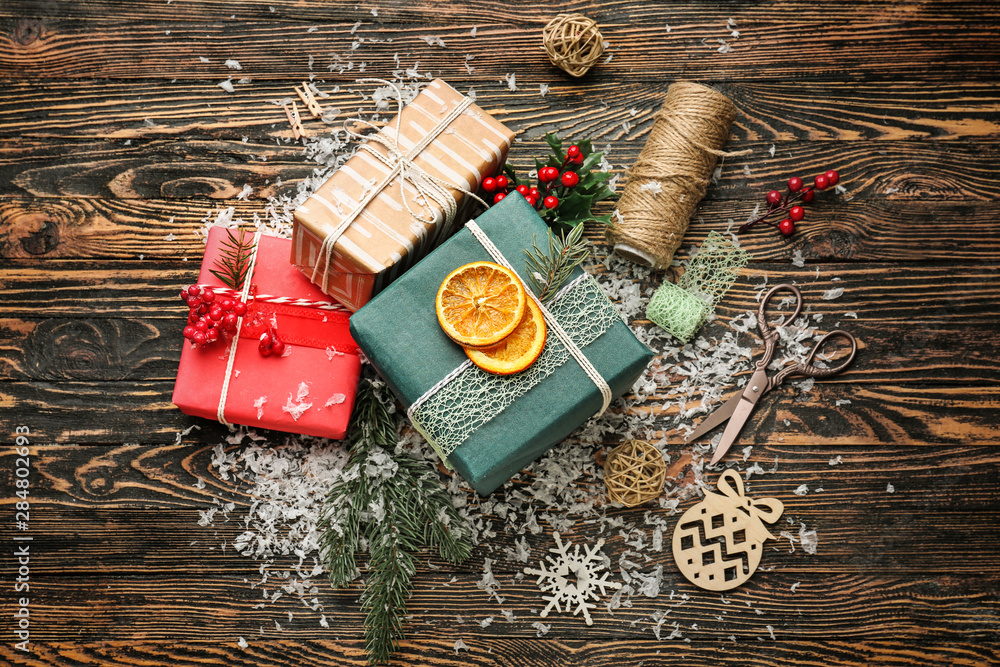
117, 144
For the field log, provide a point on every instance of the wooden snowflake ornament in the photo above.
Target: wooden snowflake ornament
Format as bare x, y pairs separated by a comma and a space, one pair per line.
717, 543
573, 579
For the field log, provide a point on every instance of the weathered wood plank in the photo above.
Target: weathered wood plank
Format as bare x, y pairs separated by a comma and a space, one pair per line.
907, 45
97, 480
218, 170
878, 229
956, 608
777, 111
880, 293
141, 348
478, 12
880, 413
134, 509
275, 651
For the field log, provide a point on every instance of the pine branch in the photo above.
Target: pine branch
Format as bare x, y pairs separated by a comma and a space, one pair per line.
549, 270
395, 504
234, 263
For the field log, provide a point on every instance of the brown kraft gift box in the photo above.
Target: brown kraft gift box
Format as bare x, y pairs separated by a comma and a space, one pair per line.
376, 211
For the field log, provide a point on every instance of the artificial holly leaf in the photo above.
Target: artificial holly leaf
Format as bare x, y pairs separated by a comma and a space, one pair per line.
591, 161
575, 207
554, 142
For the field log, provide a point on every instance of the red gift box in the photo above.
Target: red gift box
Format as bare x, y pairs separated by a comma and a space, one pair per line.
310, 389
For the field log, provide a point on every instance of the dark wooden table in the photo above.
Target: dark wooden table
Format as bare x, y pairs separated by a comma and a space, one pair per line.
116, 141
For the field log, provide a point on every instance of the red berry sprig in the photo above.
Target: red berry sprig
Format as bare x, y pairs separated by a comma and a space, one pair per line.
552, 183
210, 317
798, 193
568, 183
270, 344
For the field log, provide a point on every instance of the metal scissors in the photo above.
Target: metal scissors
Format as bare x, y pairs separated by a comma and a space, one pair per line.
739, 407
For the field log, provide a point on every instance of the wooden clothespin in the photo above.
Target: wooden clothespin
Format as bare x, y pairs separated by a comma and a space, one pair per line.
307, 97
293, 120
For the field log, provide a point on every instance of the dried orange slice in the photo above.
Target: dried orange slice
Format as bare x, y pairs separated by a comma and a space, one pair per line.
480, 304
517, 351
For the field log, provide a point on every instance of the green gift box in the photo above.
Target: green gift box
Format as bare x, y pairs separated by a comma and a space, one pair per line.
487, 426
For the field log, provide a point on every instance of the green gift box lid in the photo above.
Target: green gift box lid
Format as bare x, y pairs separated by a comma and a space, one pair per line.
399, 333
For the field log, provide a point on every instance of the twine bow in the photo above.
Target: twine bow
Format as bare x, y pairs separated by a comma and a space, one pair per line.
400, 164
763, 509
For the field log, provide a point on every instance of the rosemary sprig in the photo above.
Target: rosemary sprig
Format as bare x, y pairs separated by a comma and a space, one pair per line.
390, 505
234, 263
548, 270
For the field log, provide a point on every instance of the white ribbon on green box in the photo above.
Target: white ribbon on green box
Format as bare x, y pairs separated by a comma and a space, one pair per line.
468, 397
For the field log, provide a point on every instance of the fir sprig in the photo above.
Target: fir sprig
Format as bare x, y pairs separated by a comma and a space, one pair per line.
548, 270
390, 505
234, 262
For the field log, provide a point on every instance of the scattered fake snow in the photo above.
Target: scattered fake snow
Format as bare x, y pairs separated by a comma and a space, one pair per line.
286, 484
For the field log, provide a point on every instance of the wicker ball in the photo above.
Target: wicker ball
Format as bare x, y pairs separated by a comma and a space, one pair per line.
573, 43
634, 473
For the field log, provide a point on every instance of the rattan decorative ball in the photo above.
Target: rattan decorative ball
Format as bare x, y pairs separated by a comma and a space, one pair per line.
634, 473
573, 43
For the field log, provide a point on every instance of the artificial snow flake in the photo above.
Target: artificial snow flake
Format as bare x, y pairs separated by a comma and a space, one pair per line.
653, 187
296, 410
573, 579
233, 64
227, 86
433, 40
511, 81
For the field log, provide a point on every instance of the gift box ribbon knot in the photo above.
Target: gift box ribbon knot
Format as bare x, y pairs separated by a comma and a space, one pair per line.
468, 397
298, 321
400, 164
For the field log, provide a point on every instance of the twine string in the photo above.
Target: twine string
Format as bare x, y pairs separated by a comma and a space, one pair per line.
573, 43
220, 412
400, 164
672, 173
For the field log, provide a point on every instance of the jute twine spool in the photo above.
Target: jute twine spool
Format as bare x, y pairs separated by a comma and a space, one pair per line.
675, 166
634, 473
573, 43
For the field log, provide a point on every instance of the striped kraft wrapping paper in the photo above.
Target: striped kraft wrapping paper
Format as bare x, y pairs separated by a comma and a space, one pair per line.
387, 236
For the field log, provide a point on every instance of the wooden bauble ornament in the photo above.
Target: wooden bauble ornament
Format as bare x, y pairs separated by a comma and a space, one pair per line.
634, 473
573, 43
717, 543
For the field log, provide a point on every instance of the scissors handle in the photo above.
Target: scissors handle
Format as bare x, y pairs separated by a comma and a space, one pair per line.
767, 334
808, 369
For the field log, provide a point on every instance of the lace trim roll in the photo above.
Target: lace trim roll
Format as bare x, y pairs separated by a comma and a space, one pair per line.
469, 397
682, 309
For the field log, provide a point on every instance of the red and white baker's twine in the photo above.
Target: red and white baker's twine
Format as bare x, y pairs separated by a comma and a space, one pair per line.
281, 300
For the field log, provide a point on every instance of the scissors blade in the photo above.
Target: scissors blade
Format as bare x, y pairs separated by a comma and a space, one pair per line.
748, 401
721, 414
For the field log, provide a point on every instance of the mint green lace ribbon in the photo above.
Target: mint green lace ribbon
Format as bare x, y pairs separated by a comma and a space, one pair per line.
681, 309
